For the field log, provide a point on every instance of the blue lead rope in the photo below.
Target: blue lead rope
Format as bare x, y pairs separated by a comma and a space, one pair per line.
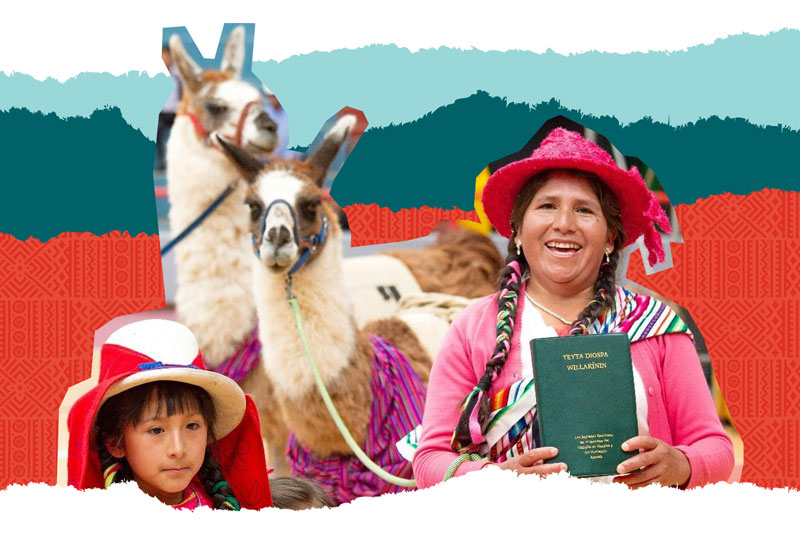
199, 220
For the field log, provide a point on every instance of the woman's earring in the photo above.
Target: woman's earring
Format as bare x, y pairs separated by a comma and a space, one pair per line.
608, 258
519, 247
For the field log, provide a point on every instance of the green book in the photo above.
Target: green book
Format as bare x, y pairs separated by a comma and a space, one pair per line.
585, 400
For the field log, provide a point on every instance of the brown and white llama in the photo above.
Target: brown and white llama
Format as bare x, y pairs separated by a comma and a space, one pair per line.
459, 263
214, 297
291, 223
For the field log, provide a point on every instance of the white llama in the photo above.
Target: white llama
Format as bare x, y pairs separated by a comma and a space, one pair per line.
214, 297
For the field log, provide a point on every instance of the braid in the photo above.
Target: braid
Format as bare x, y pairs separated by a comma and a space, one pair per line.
476, 407
216, 487
604, 290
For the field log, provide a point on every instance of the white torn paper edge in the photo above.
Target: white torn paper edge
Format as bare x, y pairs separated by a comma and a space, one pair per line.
481, 501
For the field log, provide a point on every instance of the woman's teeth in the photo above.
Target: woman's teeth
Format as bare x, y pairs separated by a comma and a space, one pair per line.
563, 246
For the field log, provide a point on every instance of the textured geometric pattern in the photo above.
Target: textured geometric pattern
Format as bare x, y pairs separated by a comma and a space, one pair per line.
53, 296
738, 274
372, 224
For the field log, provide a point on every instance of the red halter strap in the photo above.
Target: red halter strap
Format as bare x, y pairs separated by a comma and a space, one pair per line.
198, 128
202, 133
242, 118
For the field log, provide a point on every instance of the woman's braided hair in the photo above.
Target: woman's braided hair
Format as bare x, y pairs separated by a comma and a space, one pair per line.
476, 407
129, 407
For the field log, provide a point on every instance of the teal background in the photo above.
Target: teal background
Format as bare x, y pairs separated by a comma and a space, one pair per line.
442, 153
747, 76
76, 174
711, 119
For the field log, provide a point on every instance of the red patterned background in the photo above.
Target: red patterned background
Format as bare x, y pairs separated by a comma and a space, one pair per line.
738, 272
372, 224
53, 296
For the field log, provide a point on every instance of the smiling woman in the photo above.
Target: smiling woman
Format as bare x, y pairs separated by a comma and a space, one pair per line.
565, 234
568, 210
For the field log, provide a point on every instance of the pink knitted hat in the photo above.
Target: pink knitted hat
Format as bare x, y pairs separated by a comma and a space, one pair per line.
564, 149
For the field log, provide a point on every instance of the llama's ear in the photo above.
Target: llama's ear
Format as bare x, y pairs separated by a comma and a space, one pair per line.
233, 56
248, 165
326, 152
189, 72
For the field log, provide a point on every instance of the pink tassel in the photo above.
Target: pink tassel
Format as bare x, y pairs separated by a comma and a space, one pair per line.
657, 215
652, 240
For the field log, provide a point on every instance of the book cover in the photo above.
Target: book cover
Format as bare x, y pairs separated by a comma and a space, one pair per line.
585, 400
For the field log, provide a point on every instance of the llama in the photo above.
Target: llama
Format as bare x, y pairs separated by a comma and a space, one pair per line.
214, 297
197, 171
460, 263
291, 225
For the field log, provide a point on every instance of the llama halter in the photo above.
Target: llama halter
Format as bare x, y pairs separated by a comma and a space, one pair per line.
212, 143
309, 244
206, 135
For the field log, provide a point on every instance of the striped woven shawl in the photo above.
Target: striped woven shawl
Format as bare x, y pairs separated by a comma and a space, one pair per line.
513, 427
398, 397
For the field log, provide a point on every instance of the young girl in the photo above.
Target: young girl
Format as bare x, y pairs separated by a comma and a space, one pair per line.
186, 436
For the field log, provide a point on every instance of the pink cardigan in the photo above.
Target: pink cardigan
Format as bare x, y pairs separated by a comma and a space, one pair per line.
680, 410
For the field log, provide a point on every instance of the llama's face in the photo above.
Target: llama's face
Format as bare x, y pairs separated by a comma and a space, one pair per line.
221, 102
234, 109
285, 198
286, 210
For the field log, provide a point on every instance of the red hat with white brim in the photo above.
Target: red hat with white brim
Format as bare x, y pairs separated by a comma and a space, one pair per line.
162, 350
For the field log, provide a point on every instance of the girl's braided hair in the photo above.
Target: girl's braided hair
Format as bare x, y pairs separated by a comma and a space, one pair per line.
476, 408
129, 407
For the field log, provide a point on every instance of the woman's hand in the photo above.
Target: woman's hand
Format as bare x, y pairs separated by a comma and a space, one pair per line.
659, 463
532, 462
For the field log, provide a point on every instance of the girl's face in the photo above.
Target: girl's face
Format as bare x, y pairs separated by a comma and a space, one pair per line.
564, 235
164, 452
